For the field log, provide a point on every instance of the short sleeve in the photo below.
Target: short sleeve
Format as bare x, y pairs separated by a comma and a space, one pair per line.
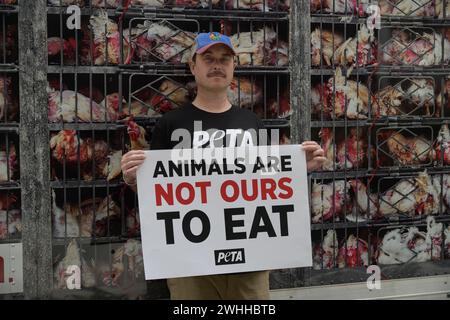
160, 136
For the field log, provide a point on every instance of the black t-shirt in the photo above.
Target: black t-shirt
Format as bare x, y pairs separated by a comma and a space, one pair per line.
190, 126
176, 129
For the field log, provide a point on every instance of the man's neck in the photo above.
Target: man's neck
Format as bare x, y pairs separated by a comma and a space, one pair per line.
215, 102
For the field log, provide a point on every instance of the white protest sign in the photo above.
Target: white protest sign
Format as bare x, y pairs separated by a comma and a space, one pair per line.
201, 217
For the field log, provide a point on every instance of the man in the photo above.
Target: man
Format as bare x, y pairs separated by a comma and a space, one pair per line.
212, 64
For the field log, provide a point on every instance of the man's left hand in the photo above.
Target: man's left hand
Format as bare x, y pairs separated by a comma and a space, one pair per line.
314, 155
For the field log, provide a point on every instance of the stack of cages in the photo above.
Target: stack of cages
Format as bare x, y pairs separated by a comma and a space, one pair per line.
11, 282
380, 106
108, 83
95, 233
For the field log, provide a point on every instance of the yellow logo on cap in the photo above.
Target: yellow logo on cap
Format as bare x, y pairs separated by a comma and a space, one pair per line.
214, 37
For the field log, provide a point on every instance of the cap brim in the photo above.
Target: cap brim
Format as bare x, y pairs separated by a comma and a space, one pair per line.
202, 50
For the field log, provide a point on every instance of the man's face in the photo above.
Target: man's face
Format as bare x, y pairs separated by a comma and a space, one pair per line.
214, 68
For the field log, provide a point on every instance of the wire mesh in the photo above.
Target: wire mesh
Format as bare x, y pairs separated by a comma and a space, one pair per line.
150, 96
108, 83
243, 5
397, 8
379, 106
168, 42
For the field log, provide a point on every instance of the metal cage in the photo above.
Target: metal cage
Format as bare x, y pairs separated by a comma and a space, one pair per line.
376, 98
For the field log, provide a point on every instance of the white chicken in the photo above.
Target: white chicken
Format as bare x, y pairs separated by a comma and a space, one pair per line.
353, 253
8, 164
433, 240
106, 41
326, 253
416, 8
69, 106
428, 194
445, 189
447, 242
411, 245
360, 50
353, 7
329, 200
259, 48
329, 146
404, 148
442, 146
8, 103
105, 215
133, 251
406, 47
355, 149
245, 92
421, 94
408, 197
10, 223
107, 163
113, 169
159, 41
171, 95
366, 203
111, 274
321, 106
351, 98
65, 145
88, 208
129, 254
65, 220
261, 5
387, 102
280, 108
394, 248
137, 136
70, 149
323, 45
417, 99
95, 213
351, 151
73, 258
340, 97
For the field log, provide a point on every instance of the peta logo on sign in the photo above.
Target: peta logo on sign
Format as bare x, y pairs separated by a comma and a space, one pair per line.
229, 256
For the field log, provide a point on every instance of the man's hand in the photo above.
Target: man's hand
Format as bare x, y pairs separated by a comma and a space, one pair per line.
314, 155
130, 163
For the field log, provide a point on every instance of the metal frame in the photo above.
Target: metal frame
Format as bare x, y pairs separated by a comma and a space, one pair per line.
34, 137
34, 128
436, 72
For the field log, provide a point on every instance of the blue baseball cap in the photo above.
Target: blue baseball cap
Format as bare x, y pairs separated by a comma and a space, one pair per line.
203, 41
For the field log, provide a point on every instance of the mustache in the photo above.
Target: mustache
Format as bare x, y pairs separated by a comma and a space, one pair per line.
216, 73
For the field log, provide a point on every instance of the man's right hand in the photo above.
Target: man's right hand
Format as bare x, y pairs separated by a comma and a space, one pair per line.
130, 163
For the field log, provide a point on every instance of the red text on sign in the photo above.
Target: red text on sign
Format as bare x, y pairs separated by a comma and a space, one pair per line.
168, 194
251, 190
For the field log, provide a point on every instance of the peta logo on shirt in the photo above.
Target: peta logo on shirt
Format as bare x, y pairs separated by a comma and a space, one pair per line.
229, 256
214, 138
211, 137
